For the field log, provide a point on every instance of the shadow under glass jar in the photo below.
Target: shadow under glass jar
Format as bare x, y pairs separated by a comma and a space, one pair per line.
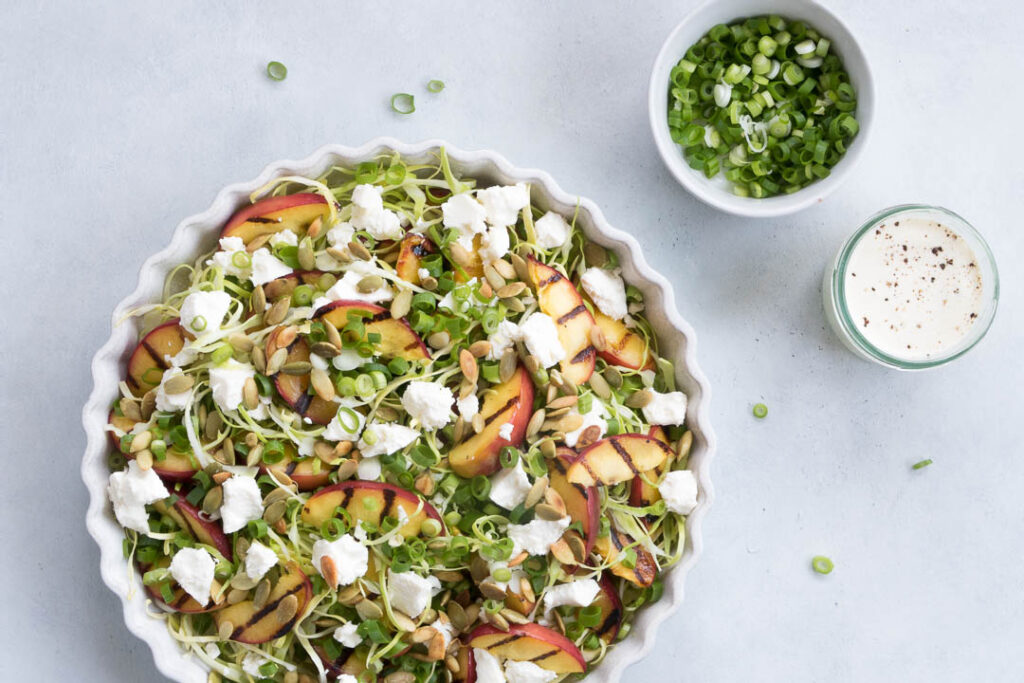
851, 326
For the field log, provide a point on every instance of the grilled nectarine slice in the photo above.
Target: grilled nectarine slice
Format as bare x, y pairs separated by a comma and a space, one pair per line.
351, 662
255, 626
176, 466
467, 665
369, 501
294, 212
610, 548
397, 339
294, 389
617, 458
583, 503
560, 300
300, 470
207, 532
510, 402
642, 494
543, 646
148, 361
414, 248
611, 610
624, 347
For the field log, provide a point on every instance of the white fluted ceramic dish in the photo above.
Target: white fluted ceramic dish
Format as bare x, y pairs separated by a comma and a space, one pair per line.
199, 234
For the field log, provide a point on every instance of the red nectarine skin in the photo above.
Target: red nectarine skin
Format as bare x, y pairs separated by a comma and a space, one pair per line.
571, 493
560, 299
260, 626
398, 340
511, 402
322, 504
543, 646
147, 363
253, 212
611, 610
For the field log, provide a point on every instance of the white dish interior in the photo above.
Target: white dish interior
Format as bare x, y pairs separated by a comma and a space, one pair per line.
199, 233
717, 191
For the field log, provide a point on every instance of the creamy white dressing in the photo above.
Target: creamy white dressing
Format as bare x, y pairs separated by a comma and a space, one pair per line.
913, 288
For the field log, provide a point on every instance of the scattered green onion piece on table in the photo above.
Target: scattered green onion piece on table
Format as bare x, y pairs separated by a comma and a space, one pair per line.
435, 86
822, 564
760, 410
403, 103
277, 71
922, 464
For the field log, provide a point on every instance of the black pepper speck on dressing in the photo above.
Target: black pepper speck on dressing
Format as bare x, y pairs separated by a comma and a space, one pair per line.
913, 287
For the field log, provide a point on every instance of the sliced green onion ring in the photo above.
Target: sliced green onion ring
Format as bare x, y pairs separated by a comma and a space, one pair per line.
403, 103
277, 71
435, 86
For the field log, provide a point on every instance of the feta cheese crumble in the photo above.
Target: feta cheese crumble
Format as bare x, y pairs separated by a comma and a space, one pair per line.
488, 670
258, 560
429, 403
527, 672
368, 469
267, 267
346, 425
227, 381
130, 491
225, 258
579, 593
552, 230
505, 432
507, 334
410, 593
202, 313
666, 409
465, 214
679, 491
350, 557
381, 438
193, 569
171, 403
536, 536
242, 503
495, 244
509, 487
251, 664
541, 336
285, 238
607, 290
347, 635
468, 407
369, 214
502, 204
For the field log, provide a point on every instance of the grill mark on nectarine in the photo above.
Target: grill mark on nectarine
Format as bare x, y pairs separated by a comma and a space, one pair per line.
583, 355
609, 622
571, 314
379, 317
157, 358
549, 280
419, 250
261, 219
132, 382
500, 643
549, 653
346, 497
389, 501
626, 457
291, 468
269, 608
302, 402
508, 406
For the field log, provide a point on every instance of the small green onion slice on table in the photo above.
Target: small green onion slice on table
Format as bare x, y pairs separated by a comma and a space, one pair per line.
277, 71
403, 103
435, 86
822, 564
760, 410
922, 463
764, 102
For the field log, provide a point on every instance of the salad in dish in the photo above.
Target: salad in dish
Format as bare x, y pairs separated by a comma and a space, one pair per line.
399, 427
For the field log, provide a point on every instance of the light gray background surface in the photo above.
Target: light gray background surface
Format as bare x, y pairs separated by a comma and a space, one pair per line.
119, 119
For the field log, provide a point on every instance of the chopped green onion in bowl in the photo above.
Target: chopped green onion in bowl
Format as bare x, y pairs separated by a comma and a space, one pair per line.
764, 103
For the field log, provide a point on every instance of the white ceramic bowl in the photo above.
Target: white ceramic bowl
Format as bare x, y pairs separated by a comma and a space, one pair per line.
716, 191
199, 233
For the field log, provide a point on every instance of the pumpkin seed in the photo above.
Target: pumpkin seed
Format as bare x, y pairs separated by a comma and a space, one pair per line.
563, 402
144, 459
403, 622
275, 511
275, 362
258, 242
684, 444
237, 595
428, 283
492, 590
333, 336
423, 634
402, 304
250, 394
466, 388
498, 621
307, 261
531, 364
527, 589
370, 283
324, 451
457, 616
468, 365
533, 426
600, 387
511, 290
452, 664
130, 409
547, 512
515, 305
588, 437
548, 448
561, 624
261, 594
557, 412
472, 612
507, 365
359, 251
562, 552
459, 430
259, 359
212, 500
278, 311
486, 291
554, 499
595, 254
461, 255
400, 677
504, 268
513, 616
225, 630
493, 278
478, 423
178, 383
148, 404
322, 384
213, 425
368, 609
612, 375
578, 547
287, 609
254, 456
141, 441
536, 492
287, 335
242, 581
258, 300
342, 256
480, 349
349, 595
424, 484
520, 266
438, 340
298, 367
325, 350
448, 575
639, 399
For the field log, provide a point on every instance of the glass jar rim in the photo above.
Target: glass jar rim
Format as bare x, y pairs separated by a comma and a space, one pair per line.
981, 327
